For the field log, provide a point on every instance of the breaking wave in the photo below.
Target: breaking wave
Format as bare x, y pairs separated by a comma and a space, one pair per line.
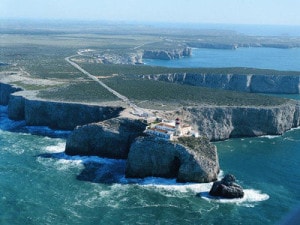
103, 170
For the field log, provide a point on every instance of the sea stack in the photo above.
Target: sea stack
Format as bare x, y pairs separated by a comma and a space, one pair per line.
227, 188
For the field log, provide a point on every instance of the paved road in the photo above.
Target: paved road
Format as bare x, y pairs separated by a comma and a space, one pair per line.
137, 110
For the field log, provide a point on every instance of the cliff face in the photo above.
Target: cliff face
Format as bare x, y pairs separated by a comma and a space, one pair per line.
167, 54
219, 123
285, 84
111, 138
57, 115
5, 91
149, 156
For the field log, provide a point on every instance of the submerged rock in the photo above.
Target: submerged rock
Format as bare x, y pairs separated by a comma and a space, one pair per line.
188, 160
227, 188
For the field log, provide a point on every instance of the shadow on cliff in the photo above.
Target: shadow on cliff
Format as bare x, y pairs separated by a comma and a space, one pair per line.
96, 169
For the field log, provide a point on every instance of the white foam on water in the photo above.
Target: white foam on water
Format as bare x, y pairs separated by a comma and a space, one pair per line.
60, 147
63, 161
171, 188
171, 184
294, 128
270, 136
181, 188
251, 197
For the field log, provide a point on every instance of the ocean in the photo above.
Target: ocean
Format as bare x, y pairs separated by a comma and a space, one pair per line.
39, 184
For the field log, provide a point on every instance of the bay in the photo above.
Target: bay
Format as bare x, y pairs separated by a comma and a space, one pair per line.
263, 58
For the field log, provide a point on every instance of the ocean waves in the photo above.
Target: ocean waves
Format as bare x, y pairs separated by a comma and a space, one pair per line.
111, 171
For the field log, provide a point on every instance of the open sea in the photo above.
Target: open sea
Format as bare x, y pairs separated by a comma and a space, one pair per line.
39, 184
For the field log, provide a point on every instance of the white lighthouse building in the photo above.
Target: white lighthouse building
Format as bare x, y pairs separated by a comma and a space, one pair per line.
169, 130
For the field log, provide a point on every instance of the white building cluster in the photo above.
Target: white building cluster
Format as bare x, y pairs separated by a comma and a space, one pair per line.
170, 130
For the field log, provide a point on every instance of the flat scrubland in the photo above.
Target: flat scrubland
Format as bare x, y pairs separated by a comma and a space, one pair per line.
35, 52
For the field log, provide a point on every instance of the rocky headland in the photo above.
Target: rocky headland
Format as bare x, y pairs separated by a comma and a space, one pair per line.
190, 160
111, 138
167, 54
117, 137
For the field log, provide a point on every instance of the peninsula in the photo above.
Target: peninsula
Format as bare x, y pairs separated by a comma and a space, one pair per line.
102, 91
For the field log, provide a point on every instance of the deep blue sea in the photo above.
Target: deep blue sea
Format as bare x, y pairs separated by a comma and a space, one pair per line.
39, 184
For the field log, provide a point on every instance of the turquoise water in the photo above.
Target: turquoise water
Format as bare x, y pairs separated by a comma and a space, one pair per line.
264, 58
39, 184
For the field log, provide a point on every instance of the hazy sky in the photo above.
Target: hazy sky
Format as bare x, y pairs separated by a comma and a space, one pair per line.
196, 11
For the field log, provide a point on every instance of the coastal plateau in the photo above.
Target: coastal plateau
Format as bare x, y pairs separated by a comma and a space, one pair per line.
279, 84
117, 137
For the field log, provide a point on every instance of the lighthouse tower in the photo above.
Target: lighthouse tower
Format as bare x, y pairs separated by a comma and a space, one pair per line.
177, 127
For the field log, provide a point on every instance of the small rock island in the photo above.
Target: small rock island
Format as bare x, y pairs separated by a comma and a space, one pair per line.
227, 188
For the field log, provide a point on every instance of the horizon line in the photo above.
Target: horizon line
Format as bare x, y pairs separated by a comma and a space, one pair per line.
23, 19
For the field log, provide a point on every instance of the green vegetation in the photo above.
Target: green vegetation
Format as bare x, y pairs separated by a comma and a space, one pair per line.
109, 69
149, 91
87, 91
41, 53
199, 144
32, 87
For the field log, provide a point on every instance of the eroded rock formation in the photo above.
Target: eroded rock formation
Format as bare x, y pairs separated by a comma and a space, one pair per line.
196, 162
167, 54
111, 138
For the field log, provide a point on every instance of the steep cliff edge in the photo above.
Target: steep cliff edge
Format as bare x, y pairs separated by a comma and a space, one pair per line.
57, 115
167, 54
111, 138
192, 160
221, 122
5, 91
279, 84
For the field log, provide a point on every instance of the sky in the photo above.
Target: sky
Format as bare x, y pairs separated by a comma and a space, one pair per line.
279, 12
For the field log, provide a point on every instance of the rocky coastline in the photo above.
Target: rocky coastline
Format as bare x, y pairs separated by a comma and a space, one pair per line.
100, 131
189, 159
215, 122
167, 54
25, 106
224, 122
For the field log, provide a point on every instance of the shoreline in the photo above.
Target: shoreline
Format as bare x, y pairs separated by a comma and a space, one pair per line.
23, 108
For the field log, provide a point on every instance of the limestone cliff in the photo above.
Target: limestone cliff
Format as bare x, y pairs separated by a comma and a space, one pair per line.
57, 115
223, 122
149, 156
167, 54
111, 138
279, 84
